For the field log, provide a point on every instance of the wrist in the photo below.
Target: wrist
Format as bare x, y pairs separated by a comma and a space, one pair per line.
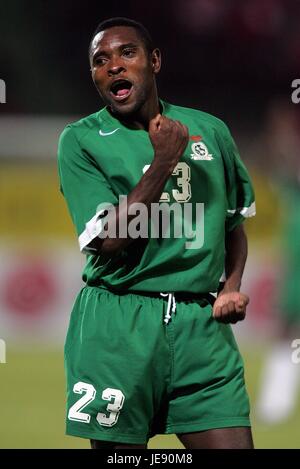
231, 286
163, 165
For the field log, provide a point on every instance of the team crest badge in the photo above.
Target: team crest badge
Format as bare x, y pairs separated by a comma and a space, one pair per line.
200, 152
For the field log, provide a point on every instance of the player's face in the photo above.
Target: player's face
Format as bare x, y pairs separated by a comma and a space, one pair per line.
122, 70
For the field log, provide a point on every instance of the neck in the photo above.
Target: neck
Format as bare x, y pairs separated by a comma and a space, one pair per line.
140, 120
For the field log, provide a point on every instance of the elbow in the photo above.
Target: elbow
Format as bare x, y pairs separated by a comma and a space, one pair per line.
108, 249
101, 247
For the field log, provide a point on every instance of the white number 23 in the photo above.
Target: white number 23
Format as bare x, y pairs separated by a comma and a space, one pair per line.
109, 394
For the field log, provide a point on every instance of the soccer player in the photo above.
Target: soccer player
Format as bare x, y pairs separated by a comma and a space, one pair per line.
146, 352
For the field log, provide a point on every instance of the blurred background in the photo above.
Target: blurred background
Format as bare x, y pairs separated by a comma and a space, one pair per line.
234, 59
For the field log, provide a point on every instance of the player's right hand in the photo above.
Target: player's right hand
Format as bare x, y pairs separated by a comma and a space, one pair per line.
169, 138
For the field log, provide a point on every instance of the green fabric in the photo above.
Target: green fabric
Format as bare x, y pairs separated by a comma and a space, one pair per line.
97, 169
181, 377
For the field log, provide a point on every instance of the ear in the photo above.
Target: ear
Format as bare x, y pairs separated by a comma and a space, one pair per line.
156, 60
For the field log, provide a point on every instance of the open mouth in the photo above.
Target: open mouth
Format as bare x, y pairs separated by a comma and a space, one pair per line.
121, 89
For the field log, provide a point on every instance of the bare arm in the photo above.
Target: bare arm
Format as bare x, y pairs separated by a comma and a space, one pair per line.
169, 139
236, 255
230, 306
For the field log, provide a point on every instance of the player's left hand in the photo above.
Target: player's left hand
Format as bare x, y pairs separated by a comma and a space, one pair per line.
230, 307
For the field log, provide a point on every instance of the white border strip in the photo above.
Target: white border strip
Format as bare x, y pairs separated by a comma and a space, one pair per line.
92, 229
245, 211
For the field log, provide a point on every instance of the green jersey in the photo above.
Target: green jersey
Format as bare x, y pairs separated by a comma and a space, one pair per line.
100, 160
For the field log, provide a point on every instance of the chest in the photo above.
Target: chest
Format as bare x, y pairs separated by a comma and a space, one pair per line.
125, 156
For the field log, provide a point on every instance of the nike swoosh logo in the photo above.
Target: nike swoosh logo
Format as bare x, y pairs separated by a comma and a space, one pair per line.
104, 134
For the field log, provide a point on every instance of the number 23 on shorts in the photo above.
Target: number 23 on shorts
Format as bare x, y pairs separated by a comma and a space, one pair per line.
109, 394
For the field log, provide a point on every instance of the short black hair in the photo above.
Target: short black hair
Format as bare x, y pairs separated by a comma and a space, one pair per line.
120, 21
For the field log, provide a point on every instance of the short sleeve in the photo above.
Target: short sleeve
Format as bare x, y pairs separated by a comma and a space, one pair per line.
240, 192
85, 188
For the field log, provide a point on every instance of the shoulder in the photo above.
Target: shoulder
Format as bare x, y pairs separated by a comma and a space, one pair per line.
74, 132
70, 143
201, 117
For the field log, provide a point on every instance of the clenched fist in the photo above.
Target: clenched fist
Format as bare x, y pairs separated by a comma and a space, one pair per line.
230, 307
169, 139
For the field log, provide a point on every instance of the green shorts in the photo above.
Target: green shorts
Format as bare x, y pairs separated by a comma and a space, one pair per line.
130, 375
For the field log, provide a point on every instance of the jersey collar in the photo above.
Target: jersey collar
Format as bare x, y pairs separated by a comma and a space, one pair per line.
112, 122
